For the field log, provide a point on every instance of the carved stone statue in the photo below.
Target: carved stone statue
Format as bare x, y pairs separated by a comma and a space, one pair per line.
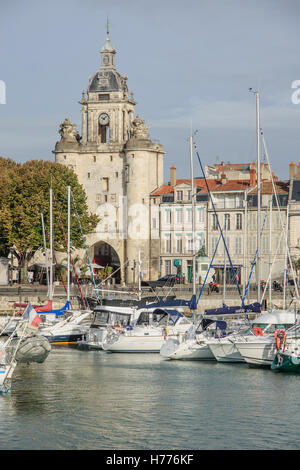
138, 129
68, 132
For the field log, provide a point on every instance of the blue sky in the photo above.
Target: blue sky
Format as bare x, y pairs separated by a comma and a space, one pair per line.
189, 64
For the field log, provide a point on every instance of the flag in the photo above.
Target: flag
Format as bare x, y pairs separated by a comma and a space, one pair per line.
30, 314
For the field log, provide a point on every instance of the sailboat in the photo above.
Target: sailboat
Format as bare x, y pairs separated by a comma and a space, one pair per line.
194, 345
73, 326
287, 357
262, 350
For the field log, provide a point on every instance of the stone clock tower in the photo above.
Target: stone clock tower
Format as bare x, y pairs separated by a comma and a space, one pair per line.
118, 166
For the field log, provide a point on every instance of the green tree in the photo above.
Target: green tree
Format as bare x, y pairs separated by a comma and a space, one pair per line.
27, 196
8, 185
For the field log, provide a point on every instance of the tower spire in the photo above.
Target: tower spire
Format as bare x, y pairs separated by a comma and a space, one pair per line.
107, 50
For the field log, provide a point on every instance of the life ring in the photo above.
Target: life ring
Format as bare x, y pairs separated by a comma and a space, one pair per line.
257, 331
118, 328
280, 338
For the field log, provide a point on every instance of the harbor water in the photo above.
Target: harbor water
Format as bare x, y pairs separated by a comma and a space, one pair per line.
93, 400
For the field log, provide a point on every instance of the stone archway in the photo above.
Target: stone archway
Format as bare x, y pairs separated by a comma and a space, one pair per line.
105, 255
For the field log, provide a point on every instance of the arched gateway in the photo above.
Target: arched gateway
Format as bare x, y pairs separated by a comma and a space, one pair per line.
106, 256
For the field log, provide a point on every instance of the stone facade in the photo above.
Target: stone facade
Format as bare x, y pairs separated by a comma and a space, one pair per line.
118, 166
235, 202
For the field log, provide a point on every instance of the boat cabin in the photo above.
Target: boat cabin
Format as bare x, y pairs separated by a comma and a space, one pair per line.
160, 317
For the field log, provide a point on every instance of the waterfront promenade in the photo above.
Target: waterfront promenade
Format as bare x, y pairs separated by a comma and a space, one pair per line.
35, 294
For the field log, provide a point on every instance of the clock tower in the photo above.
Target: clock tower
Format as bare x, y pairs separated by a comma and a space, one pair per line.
118, 166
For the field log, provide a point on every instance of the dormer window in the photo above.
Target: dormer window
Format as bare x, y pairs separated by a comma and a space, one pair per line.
179, 195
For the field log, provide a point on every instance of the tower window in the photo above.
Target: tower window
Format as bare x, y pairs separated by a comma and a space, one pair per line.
105, 186
103, 97
95, 158
89, 175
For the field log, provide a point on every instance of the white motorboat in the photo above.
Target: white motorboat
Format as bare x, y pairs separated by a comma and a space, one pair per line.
151, 330
70, 330
260, 350
106, 318
116, 315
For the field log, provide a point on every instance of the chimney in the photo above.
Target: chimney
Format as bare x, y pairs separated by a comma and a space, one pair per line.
173, 175
223, 178
252, 172
293, 170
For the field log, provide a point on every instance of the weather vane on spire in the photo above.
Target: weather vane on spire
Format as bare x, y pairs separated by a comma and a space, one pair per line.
107, 27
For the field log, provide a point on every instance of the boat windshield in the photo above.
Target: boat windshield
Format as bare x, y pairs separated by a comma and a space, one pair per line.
110, 318
149, 318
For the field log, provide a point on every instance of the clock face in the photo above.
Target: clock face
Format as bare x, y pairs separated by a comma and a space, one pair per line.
103, 119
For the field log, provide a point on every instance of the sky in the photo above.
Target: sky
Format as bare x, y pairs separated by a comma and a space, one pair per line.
189, 64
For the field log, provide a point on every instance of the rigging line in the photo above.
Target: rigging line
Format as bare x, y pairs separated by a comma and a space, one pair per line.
74, 270
236, 281
254, 260
275, 256
83, 237
55, 261
207, 272
277, 203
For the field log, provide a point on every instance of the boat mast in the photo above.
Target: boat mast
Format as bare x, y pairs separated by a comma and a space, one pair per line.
224, 274
258, 262
140, 274
270, 248
193, 214
69, 239
51, 247
45, 249
285, 258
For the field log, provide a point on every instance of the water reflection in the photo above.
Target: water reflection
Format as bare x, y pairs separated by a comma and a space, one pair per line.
96, 400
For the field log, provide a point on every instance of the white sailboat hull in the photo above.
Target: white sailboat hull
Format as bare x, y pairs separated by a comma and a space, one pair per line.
142, 340
135, 344
258, 353
225, 351
187, 350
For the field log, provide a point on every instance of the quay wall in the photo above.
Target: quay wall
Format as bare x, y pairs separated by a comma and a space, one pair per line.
9, 295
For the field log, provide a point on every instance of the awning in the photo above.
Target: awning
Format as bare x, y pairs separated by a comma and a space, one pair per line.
174, 314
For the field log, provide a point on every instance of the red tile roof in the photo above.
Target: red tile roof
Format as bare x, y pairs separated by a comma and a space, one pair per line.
164, 189
266, 187
199, 183
233, 185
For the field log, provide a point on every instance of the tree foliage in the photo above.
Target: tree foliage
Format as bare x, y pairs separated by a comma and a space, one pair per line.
24, 195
